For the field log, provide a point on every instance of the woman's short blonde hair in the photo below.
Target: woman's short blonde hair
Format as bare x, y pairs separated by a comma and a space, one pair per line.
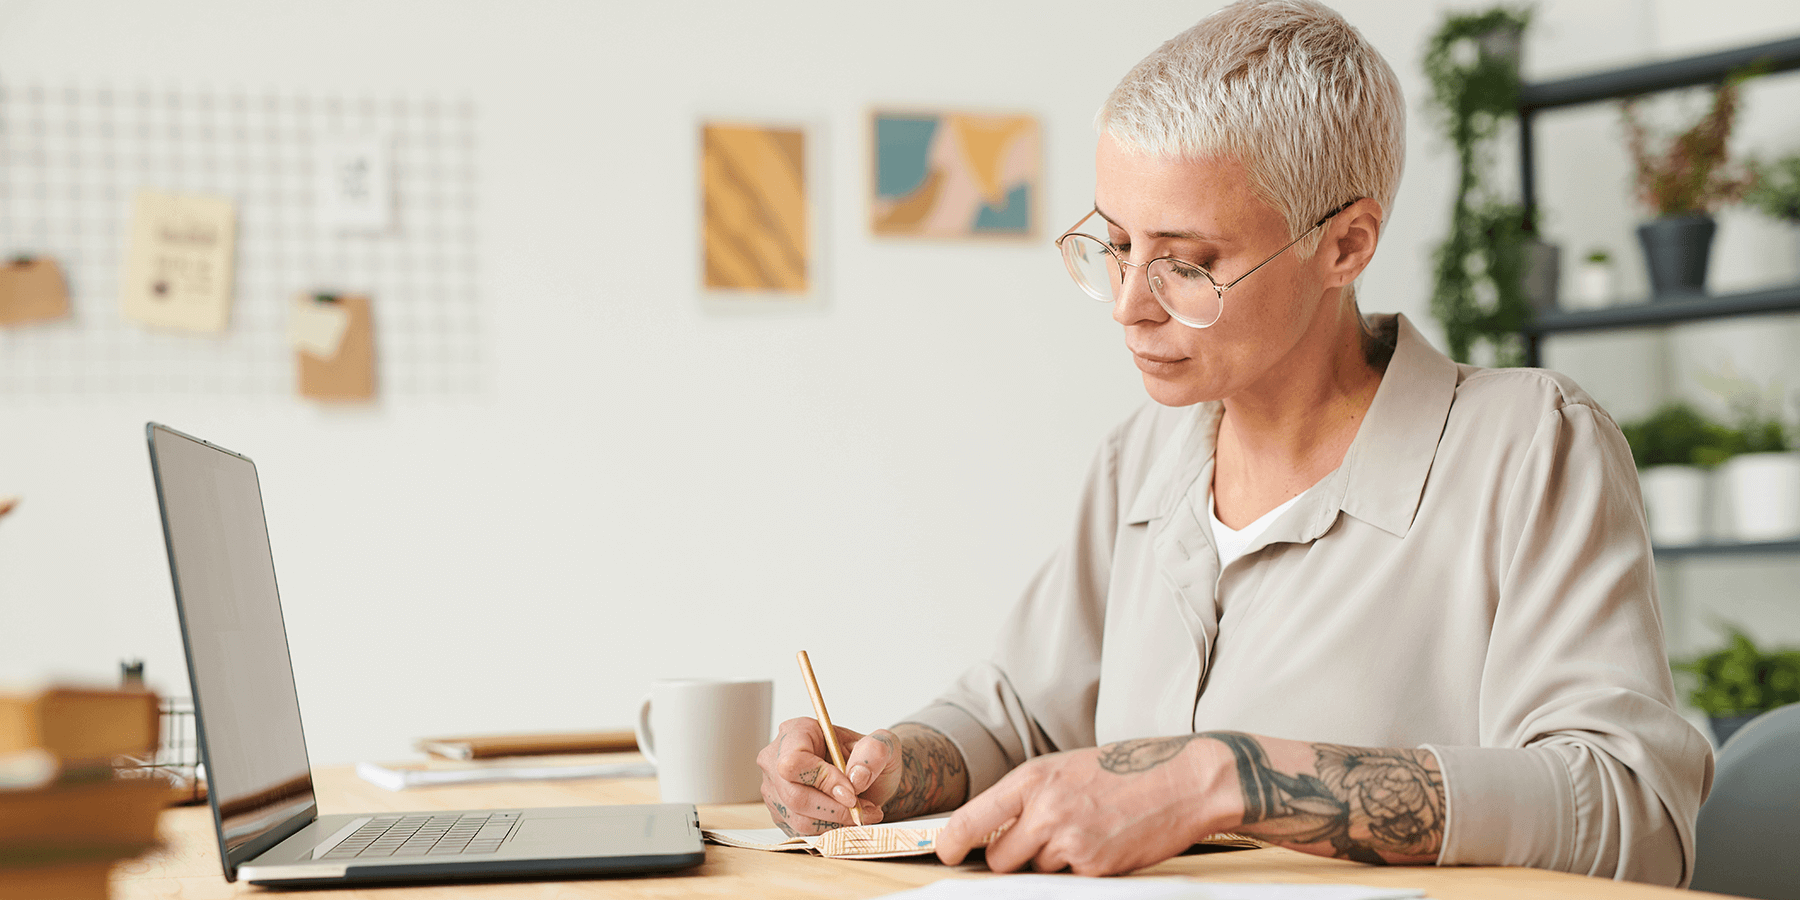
1285, 87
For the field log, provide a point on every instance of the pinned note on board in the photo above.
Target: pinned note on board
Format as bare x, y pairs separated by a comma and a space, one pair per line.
349, 372
317, 324
178, 269
354, 190
32, 290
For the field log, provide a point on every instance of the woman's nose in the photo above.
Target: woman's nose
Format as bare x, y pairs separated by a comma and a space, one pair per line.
1133, 300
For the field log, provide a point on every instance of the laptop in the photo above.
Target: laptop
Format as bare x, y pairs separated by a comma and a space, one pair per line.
247, 715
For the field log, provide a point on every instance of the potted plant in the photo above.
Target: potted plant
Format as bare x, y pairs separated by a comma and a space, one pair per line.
1739, 682
1775, 189
1761, 480
1594, 284
1673, 448
1681, 182
1479, 294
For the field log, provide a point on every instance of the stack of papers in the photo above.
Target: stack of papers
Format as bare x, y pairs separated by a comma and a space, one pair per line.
400, 778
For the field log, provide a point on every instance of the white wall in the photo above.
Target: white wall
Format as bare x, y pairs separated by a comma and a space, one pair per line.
649, 486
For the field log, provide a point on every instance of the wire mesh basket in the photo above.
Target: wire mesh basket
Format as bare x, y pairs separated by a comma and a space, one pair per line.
177, 757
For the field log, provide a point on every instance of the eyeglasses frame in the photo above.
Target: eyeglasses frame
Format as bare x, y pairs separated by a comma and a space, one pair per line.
1113, 252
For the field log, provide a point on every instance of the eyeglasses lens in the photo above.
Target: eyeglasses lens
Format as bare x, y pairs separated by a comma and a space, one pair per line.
1186, 291
1091, 266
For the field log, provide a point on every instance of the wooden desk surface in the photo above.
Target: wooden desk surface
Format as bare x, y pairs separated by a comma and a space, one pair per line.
188, 866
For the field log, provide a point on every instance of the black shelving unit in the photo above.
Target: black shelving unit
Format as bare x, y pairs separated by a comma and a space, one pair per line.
1746, 548
1618, 84
1668, 311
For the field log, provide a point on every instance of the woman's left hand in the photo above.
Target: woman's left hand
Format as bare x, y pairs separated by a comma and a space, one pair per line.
1100, 811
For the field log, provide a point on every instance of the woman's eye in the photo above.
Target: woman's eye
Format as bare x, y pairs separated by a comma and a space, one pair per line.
1187, 270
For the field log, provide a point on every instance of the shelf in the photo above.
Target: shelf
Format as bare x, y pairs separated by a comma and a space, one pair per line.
1668, 312
1706, 68
1750, 548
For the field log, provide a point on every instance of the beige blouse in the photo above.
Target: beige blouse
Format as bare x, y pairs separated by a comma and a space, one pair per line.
1475, 579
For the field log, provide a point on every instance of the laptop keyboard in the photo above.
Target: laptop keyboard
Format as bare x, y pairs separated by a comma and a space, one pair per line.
446, 835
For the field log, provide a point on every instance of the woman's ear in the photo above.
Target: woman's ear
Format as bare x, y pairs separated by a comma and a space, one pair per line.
1349, 242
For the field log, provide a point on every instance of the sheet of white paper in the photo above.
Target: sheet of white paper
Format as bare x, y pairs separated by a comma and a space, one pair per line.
398, 779
1073, 887
353, 189
317, 327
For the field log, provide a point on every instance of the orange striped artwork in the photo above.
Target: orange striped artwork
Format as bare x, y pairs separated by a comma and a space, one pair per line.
753, 190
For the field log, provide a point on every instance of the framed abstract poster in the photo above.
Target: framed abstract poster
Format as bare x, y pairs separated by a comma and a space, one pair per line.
955, 175
756, 229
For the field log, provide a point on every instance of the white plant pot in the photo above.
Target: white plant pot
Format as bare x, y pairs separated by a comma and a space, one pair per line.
1763, 493
1675, 502
1594, 287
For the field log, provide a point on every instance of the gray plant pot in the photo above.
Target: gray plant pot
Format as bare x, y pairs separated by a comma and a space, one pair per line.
1677, 250
1723, 727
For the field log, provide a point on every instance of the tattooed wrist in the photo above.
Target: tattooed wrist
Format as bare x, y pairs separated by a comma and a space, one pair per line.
1370, 805
933, 776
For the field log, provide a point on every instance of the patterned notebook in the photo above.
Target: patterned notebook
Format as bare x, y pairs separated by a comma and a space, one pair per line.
913, 837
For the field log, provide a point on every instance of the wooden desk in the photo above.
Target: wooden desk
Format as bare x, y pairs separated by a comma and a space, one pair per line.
188, 867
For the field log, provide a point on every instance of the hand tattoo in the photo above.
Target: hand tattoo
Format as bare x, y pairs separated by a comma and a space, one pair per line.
1396, 796
1140, 754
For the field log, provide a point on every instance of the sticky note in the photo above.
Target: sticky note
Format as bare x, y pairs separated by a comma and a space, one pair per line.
317, 325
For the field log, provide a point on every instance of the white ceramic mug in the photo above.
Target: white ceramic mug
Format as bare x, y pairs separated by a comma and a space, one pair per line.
703, 735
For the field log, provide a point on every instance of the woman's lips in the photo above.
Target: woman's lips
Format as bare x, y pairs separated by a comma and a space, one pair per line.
1156, 364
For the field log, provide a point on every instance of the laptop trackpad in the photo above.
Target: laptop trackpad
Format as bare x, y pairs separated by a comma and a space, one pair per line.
585, 834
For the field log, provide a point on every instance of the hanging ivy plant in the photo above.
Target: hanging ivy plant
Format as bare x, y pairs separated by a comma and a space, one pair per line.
1478, 292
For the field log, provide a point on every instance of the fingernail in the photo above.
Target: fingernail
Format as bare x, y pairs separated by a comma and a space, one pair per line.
843, 795
859, 774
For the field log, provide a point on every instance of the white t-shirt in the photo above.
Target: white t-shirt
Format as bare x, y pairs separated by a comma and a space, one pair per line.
1232, 544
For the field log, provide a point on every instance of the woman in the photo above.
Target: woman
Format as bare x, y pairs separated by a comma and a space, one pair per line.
1331, 589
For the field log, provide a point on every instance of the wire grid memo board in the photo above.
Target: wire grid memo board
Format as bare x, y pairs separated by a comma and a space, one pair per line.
71, 159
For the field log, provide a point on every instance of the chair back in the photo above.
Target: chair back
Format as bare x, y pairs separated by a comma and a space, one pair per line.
1748, 839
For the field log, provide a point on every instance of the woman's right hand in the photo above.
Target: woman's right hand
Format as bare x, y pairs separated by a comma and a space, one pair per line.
806, 794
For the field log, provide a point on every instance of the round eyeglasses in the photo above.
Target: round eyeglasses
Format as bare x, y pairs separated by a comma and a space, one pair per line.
1186, 291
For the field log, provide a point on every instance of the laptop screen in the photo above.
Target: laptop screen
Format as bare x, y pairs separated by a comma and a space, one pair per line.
245, 704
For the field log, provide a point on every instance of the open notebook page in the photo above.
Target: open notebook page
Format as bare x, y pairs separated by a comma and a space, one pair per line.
913, 837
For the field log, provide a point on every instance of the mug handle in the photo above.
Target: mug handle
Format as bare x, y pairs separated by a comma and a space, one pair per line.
645, 743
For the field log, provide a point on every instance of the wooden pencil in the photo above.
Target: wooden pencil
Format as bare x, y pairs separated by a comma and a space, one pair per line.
831, 741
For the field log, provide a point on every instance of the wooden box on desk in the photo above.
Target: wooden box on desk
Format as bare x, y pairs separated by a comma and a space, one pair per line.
65, 818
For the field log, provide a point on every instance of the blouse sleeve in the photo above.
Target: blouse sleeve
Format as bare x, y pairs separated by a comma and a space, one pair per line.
1584, 764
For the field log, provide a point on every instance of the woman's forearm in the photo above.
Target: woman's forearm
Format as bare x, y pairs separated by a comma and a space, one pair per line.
1373, 805
933, 777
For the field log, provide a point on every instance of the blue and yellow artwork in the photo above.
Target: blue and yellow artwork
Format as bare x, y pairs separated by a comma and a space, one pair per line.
955, 175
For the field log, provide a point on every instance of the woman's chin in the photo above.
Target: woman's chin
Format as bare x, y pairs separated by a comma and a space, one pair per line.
1169, 392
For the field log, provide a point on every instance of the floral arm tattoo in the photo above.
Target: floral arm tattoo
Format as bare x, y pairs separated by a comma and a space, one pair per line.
1368, 804
933, 777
